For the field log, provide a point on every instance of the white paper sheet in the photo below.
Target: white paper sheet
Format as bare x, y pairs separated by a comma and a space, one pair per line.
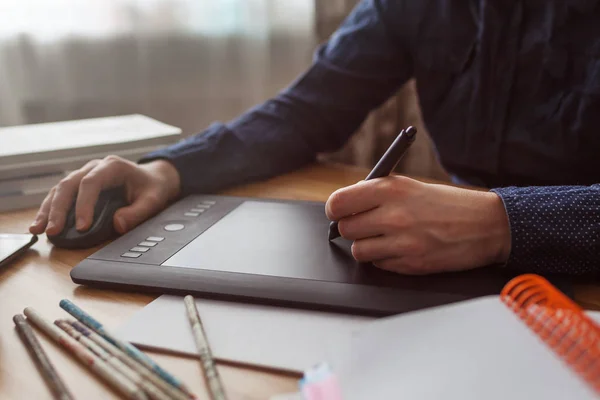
265, 336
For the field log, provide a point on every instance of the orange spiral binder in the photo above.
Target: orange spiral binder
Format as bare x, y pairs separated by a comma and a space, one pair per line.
559, 322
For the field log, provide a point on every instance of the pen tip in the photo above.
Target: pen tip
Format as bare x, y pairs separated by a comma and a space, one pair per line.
411, 131
333, 231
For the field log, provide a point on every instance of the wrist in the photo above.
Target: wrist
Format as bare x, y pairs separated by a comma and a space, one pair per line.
497, 226
167, 175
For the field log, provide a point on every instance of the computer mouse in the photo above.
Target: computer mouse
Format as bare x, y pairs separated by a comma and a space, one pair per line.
101, 229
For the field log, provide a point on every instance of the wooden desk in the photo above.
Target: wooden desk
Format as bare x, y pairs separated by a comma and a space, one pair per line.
41, 279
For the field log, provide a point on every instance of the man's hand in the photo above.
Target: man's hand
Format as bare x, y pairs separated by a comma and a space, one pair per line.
412, 227
149, 187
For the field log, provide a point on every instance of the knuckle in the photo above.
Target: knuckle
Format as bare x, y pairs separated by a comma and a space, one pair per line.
88, 180
393, 185
61, 192
113, 159
154, 199
400, 179
71, 176
385, 185
67, 181
92, 163
118, 164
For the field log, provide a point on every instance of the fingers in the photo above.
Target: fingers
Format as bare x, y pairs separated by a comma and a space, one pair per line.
110, 172
363, 225
86, 183
385, 247
352, 199
144, 207
62, 200
385, 219
366, 195
400, 254
41, 219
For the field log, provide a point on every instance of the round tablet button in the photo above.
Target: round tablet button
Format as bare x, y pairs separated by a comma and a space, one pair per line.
174, 227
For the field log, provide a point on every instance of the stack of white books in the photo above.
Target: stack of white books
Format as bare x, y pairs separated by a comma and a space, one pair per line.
34, 158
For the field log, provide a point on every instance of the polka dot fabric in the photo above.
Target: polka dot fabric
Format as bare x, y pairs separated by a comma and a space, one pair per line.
554, 229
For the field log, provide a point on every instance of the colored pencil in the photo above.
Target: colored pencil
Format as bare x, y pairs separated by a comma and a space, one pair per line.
112, 361
95, 364
128, 348
130, 362
41, 360
208, 364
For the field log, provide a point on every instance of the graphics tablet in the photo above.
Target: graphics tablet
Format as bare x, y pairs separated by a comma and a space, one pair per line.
266, 251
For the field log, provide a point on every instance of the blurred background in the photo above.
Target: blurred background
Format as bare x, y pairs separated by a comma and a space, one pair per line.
184, 62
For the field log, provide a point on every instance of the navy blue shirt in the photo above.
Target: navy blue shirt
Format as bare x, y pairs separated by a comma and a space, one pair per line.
509, 91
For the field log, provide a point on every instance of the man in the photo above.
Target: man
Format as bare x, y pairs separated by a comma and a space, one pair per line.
510, 92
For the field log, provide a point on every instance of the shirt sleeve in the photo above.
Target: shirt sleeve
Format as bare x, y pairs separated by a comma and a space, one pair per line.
360, 67
554, 229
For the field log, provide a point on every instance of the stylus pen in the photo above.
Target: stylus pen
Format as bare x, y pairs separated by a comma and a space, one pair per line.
385, 165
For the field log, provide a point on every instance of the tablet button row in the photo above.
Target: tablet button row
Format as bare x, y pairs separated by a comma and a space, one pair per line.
199, 208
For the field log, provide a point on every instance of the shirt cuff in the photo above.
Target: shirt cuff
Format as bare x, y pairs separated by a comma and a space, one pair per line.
550, 232
195, 159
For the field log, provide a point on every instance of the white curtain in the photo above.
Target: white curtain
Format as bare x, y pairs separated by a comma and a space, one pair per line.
186, 62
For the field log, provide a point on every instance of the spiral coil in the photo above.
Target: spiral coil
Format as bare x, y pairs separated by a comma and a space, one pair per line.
559, 322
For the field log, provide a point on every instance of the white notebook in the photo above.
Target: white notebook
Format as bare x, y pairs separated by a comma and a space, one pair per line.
473, 350
31, 184
64, 164
33, 158
57, 140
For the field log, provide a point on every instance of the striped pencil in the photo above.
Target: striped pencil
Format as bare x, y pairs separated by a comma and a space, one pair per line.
99, 367
56, 385
208, 364
128, 348
130, 362
114, 362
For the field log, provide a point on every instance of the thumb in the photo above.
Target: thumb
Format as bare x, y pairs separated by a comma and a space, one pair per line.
127, 218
